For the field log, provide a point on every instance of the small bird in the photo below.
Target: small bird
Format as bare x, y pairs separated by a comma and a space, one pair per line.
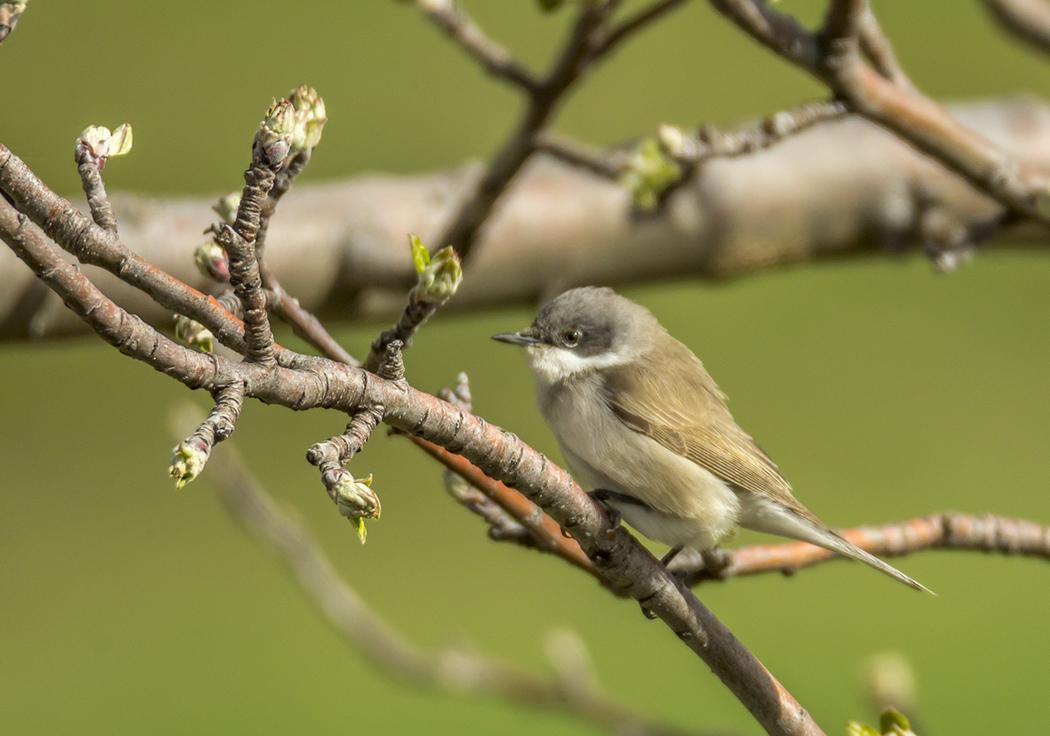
640, 421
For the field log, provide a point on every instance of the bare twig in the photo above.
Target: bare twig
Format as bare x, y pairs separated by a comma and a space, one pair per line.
842, 25
269, 154
454, 671
1027, 20
833, 58
502, 526
590, 40
711, 143
304, 324
461, 28
190, 455
637, 22
608, 164
877, 49
546, 532
948, 530
95, 189
626, 566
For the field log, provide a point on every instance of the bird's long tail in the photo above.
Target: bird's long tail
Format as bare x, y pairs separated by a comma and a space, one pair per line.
832, 541
789, 524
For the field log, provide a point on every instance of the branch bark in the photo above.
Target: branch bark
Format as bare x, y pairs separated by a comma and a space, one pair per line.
625, 565
455, 671
842, 189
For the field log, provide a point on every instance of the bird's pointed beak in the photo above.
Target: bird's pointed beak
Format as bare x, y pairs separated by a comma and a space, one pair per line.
523, 338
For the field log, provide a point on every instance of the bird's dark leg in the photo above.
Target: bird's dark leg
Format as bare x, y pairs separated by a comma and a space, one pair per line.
671, 554
601, 497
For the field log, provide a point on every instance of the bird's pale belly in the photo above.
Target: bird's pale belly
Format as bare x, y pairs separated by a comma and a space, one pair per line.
684, 504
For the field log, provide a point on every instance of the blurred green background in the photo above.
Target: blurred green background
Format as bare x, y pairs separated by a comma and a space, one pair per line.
883, 390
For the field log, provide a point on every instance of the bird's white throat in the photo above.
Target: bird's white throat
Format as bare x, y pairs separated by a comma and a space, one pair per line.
552, 365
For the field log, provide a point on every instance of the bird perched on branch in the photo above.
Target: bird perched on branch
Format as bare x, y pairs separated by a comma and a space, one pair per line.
640, 421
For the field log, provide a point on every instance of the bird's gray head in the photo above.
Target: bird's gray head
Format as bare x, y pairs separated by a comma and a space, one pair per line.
585, 330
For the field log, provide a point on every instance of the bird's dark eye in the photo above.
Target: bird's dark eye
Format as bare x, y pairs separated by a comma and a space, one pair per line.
572, 337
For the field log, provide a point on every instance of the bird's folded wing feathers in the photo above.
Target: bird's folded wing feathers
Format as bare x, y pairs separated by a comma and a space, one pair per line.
685, 412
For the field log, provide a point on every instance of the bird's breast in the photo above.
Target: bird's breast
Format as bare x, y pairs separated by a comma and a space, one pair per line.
603, 452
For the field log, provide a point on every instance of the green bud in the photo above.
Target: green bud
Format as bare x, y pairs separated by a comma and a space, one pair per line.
889, 680
672, 140
211, 261
650, 172
356, 500
359, 527
96, 139
893, 722
187, 461
273, 141
227, 206
193, 334
309, 118
101, 143
120, 142
859, 729
440, 278
280, 118
420, 255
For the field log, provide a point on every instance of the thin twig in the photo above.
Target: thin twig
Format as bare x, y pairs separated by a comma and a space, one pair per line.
190, 456
454, 671
304, 324
920, 121
1026, 20
95, 189
877, 48
626, 565
842, 25
461, 28
545, 531
501, 525
637, 22
589, 41
948, 530
606, 164
767, 132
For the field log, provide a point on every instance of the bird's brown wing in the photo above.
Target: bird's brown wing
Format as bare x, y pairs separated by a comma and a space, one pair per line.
683, 409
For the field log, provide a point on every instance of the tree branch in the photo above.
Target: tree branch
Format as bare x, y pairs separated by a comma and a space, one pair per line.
948, 530
833, 59
842, 189
461, 28
625, 565
1026, 20
455, 671
590, 40
638, 22
877, 49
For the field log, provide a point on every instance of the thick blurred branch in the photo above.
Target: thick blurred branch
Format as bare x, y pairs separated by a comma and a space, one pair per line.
844, 188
